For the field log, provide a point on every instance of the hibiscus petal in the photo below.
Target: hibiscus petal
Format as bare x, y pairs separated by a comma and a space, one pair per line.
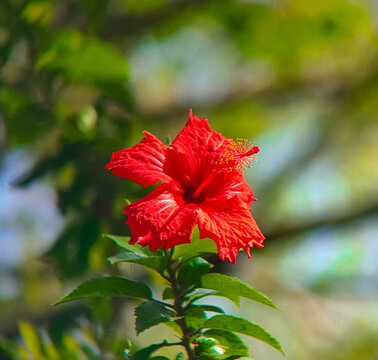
230, 224
197, 148
142, 163
161, 219
226, 185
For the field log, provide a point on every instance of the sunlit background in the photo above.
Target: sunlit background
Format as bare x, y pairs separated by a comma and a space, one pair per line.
80, 79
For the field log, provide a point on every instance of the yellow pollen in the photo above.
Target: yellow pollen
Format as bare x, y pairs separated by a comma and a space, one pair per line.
237, 155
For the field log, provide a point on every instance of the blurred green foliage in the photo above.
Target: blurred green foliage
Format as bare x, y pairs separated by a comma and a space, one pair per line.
80, 79
81, 343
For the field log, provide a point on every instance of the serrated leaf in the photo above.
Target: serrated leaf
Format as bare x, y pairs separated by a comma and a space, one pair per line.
195, 318
191, 272
207, 308
158, 263
232, 344
151, 313
233, 288
123, 242
145, 353
242, 326
196, 247
107, 287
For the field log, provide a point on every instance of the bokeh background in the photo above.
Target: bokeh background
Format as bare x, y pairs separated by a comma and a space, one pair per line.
80, 79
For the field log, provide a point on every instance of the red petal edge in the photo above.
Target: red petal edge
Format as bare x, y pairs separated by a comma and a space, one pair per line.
230, 224
143, 163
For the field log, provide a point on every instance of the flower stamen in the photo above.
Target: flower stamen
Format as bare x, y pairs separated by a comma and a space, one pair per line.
237, 156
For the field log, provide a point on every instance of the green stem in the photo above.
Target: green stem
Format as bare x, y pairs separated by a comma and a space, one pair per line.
179, 307
173, 344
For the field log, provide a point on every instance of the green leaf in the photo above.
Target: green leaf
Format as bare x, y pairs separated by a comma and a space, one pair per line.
83, 58
180, 356
234, 298
195, 318
102, 309
36, 121
158, 263
159, 358
31, 339
175, 327
38, 12
242, 326
145, 353
123, 242
233, 288
120, 92
207, 308
151, 313
207, 349
107, 287
197, 247
168, 294
191, 272
198, 296
10, 348
230, 343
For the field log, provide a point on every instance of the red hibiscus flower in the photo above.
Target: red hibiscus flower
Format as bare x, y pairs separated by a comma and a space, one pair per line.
202, 183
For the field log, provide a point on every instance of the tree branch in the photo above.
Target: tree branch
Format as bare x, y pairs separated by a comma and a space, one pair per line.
126, 25
334, 89
340, 220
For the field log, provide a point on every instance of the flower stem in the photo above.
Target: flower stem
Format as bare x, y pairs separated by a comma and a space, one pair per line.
179, 308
